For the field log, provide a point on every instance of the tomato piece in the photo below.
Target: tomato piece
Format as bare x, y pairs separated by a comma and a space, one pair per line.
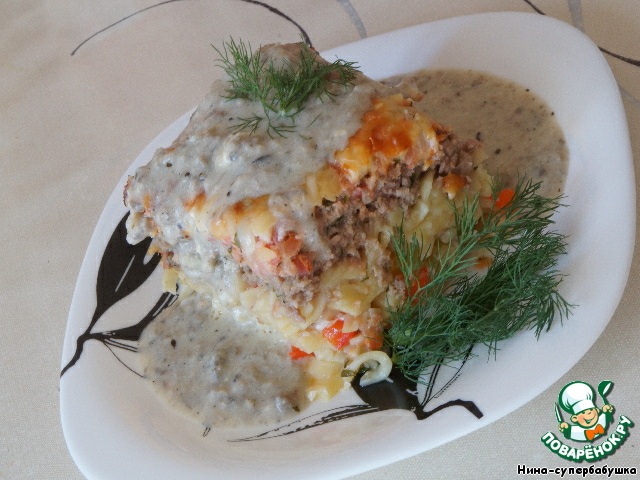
336, 336
296, 353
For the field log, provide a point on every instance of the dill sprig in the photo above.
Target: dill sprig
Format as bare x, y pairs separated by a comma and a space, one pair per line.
282, 91
456, 307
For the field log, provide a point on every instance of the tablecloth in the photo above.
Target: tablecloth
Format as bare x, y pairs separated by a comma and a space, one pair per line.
84, 88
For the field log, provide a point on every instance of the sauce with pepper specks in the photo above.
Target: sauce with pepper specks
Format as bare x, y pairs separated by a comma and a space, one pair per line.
518, 129
213, 369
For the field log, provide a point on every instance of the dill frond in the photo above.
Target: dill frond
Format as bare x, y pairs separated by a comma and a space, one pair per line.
457, 308
282, 91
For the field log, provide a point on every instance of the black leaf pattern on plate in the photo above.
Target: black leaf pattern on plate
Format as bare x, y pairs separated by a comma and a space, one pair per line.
123, 268
127, 338
395, 393
398, 392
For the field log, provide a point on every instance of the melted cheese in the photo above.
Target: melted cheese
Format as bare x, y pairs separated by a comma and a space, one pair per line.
392, 131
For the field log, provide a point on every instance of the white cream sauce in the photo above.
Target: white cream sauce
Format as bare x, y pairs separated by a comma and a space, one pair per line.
231, 164
217, 371
221, 372
228, 165
519, 130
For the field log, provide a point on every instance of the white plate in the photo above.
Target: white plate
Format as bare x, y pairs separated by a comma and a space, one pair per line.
116, 429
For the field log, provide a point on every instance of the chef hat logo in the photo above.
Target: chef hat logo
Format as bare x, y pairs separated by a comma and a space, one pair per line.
576, 397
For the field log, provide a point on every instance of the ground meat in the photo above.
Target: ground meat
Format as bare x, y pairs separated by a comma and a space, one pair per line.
457, 156
346, 223
294, 291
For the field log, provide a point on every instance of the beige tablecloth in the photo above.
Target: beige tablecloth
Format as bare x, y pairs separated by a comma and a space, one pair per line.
86, 85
